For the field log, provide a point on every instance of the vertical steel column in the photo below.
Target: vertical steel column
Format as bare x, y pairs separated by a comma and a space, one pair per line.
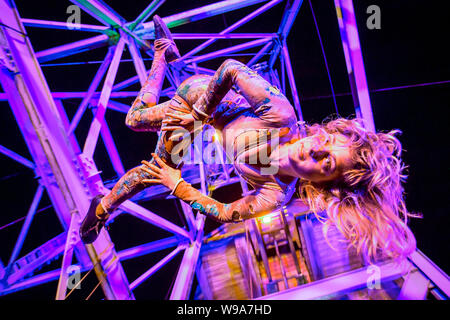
56, 162
354, 60
137, 61
283, 74
67, 258
190, 218
234, 26
113, 153
254, 228
290, 74
94, 130
289, 15
26, 225
183, 283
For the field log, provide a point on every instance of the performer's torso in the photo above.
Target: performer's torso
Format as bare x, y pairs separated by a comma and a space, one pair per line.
246, 138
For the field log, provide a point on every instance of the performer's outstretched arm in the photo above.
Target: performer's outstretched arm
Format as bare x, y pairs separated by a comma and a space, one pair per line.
263, 201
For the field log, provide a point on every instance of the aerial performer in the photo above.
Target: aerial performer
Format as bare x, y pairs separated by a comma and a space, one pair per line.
338, 167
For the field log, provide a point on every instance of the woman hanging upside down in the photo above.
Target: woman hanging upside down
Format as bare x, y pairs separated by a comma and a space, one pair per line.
341, 168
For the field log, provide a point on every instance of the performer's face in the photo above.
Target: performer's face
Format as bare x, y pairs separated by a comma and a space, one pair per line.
321, 158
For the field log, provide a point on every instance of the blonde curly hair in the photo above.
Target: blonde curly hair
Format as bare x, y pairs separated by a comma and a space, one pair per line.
366, 204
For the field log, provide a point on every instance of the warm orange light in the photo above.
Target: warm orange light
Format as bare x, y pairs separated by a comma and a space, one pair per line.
266, 219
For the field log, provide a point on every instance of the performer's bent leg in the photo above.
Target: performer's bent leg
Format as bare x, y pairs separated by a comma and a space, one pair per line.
144, 115
131, 183
266, 100
127, 186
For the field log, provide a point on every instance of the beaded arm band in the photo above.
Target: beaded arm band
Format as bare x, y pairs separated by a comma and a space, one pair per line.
176, 185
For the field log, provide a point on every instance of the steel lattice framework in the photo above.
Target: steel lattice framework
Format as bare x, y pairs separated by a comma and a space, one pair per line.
65, 166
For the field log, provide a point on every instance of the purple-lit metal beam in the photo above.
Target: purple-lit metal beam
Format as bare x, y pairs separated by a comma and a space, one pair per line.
101, 11
2, 271
438, 277
30, 262
96, 124
16, 157
137, 61
185, 276
414, 287
191, 68
354, 60
56, 162
290, 74
26, 225
289, 16
111, 148
339, 284
190, 218
72, 48
156, 267
91, 91
30, 100
147, 248
65, 122
215, 36
128, 82
231, 28
148, 11
148, 216
195, 68
72, 239
62, 25
203, 282
183, 282
125, 83
31, 282
283, 74
259, 54
104, 130
116, 106
106, 15
224, 52
197, 14
82, 94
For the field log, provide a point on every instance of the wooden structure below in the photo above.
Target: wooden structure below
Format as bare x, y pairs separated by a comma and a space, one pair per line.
235, 264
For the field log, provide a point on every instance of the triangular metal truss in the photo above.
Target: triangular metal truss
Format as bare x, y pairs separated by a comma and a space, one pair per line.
65, 166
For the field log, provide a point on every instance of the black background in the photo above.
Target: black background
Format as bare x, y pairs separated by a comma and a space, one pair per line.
410, 48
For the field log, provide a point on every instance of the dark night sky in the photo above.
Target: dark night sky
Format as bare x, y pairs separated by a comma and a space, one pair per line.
410, 48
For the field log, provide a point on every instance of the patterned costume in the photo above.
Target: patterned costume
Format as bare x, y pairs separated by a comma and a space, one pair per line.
245, 109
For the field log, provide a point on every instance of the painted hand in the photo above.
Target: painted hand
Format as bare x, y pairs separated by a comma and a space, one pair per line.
164, 175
